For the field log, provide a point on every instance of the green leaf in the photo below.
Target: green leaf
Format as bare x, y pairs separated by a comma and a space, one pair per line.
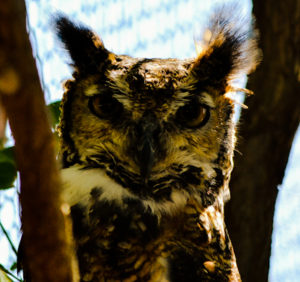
14, 266
8, 174
8, 155
8, 170
54, 109
8, 238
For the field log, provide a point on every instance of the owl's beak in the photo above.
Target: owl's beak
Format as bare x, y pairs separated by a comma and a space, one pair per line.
146, 143
145, 154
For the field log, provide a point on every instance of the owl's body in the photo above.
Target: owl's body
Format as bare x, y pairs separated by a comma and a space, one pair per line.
146, 148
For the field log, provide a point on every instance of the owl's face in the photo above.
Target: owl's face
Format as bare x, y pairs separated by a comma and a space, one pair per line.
155, 126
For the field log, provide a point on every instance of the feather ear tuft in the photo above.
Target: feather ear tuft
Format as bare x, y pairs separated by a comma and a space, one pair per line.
84, 46
228, 47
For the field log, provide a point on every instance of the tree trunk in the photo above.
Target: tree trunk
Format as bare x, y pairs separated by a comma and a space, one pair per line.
47, 246
266, 134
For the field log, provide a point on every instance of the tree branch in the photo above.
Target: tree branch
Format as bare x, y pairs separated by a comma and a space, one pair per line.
46, 232
267, 131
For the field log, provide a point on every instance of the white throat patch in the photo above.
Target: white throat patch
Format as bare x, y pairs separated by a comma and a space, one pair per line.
78, 182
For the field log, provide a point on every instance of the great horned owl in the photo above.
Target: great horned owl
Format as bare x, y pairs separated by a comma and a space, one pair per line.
146, 149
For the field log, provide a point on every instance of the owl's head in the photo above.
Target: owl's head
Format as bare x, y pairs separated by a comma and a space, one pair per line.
153, 124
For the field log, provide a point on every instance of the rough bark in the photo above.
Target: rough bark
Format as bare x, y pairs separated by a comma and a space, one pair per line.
267, 130
47, 245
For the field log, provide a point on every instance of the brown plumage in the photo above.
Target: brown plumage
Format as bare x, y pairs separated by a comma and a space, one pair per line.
146, 149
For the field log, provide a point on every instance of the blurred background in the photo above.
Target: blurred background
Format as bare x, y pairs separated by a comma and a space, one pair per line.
143, 28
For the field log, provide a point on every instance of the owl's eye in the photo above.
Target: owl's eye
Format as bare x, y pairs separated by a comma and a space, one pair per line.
193, 114
105, 106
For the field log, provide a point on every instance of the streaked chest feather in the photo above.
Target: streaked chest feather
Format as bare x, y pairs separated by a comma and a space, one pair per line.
114, 228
